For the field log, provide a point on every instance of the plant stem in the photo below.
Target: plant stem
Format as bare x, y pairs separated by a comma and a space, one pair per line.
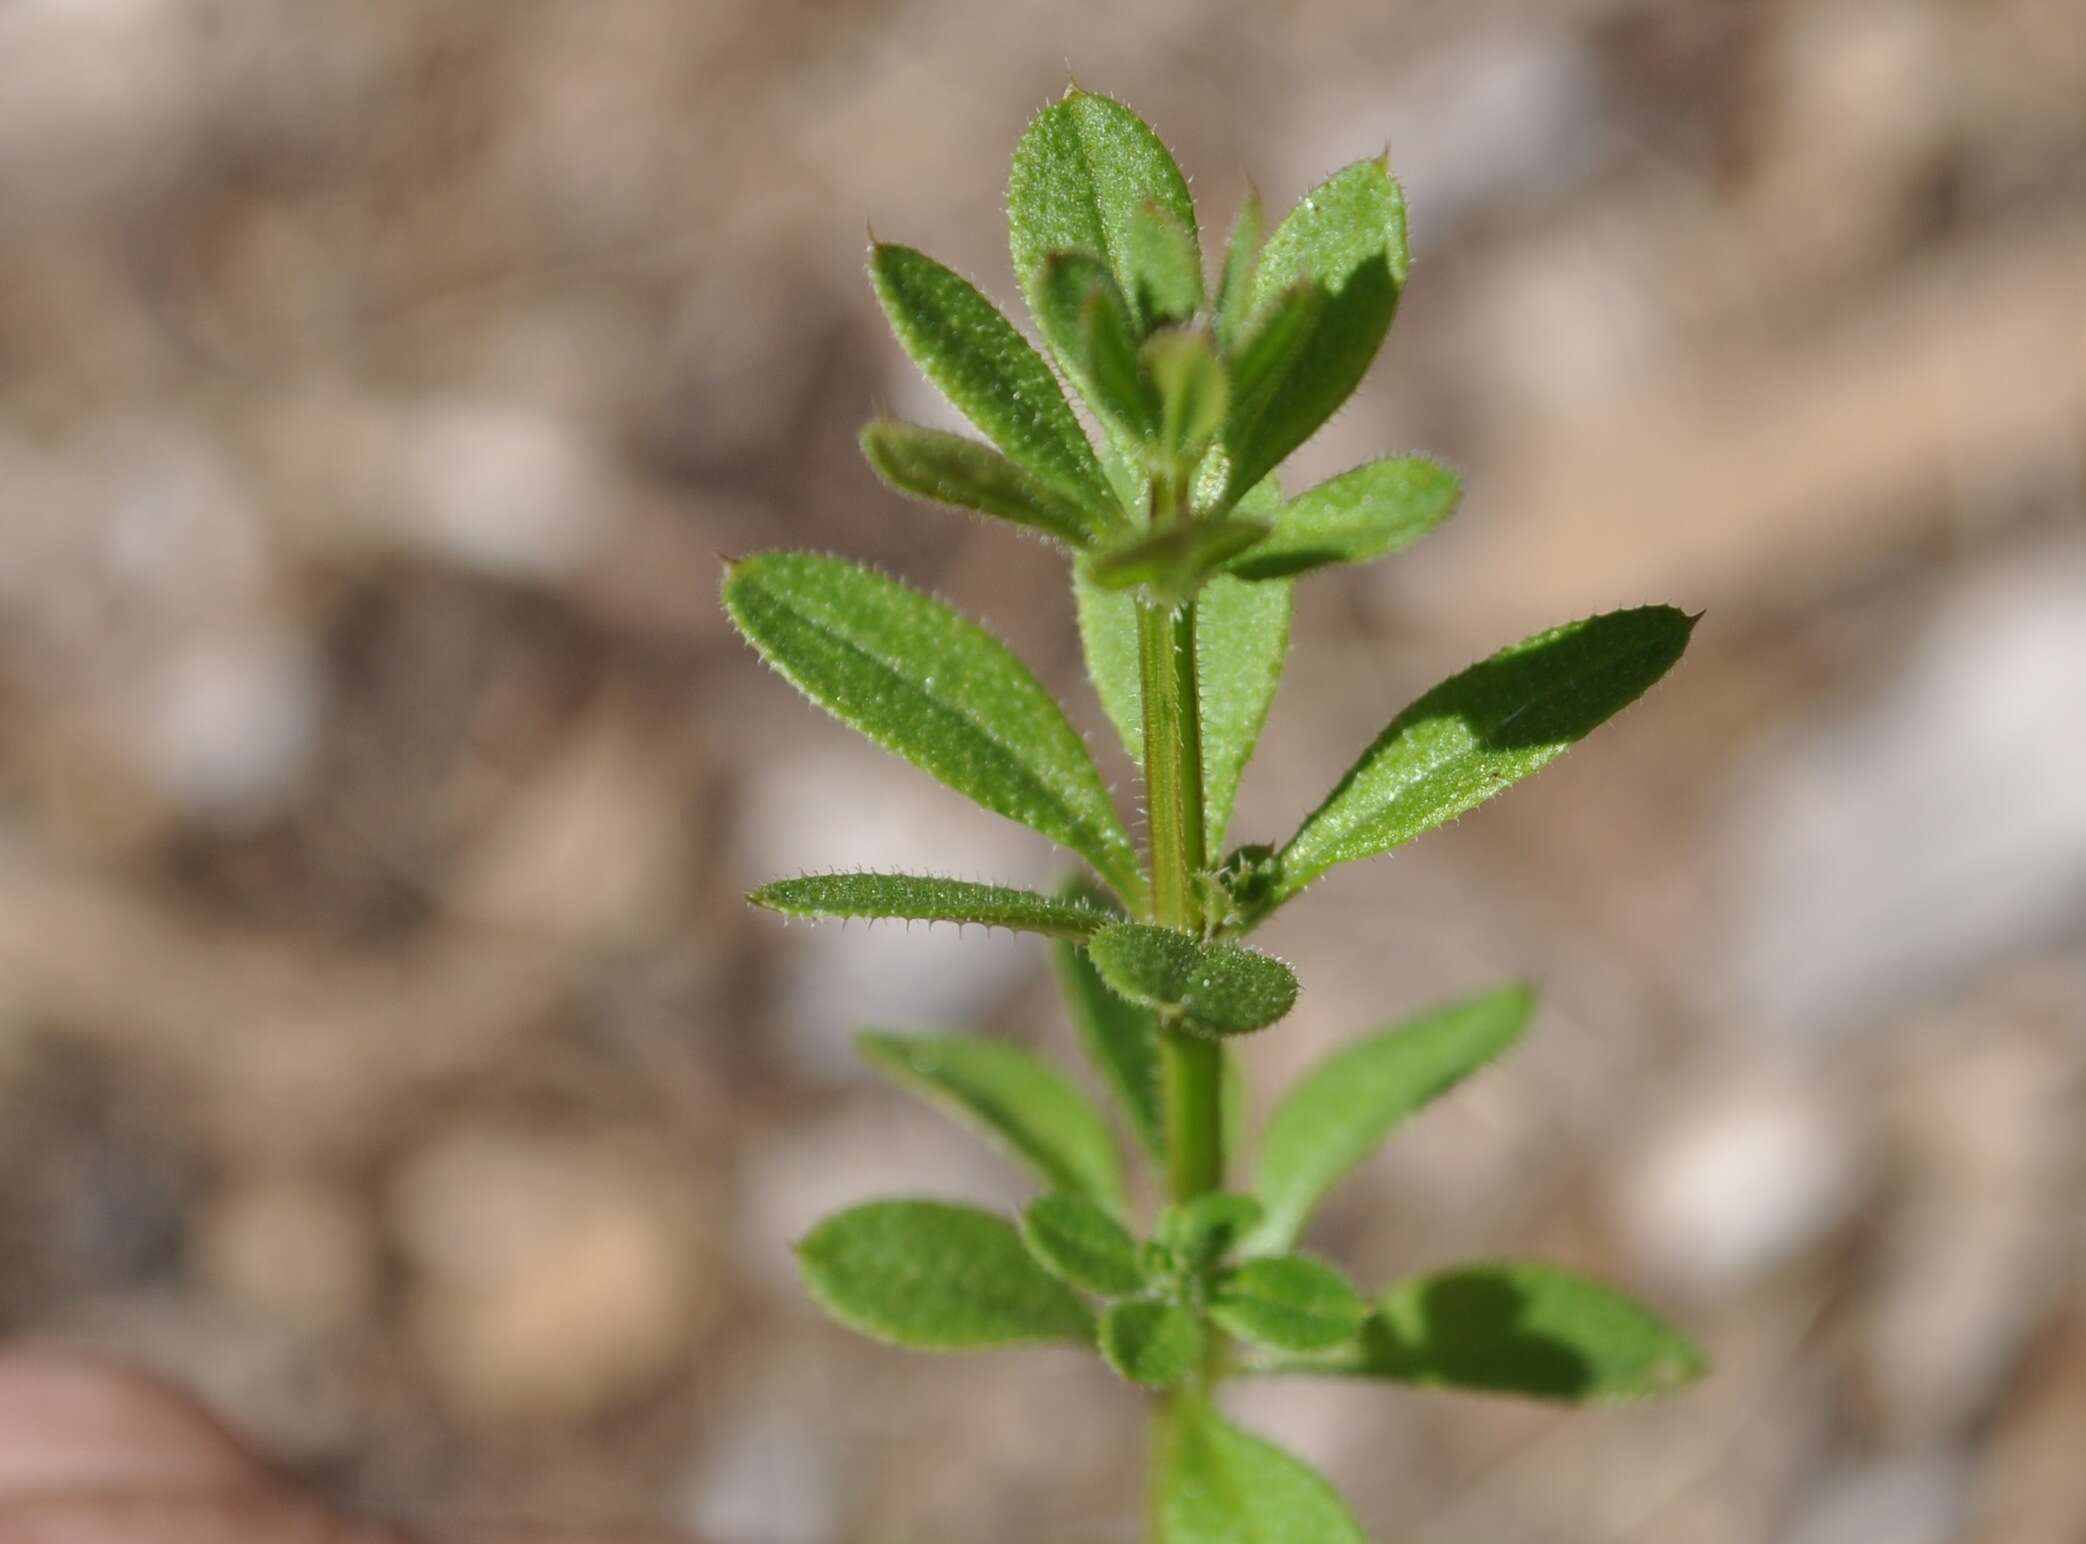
1192, 1067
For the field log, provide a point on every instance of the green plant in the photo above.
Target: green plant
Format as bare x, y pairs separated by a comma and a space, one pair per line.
1185, 556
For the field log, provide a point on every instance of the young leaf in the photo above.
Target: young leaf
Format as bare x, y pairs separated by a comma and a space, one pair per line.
1166, 264
1288, 1302
949, 469
1241, 641
1263, 351
989, 371
1019, 1101
936, 1277
1201, 1232
1082, 1245
1084, 168
1194, 395
1347, 236
1241, 259
1519, 1328
1211, 988
918, 899
1370, 512
1151, 1343
1350, 1102
1480, 731
1173, 561
1121, 1039
936, 689
1218, 1485
1083, 315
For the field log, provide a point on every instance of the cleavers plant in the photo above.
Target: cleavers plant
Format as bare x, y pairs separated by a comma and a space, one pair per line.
1184, 557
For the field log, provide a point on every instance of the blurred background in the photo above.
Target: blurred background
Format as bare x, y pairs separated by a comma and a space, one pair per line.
385, 1050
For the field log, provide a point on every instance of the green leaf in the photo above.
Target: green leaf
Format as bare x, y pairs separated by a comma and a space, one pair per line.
1083, 1245
989, 371
1194, 395
1150, 1343
1019, 1101
936, 689
936, 1277
1212, 988
1173, 561
1083, 169
1350, 1102
1288, 1302
1519, 1327
1241, 260
1264, 351
949, 469
915, 898
1083, 315
1347, 236
1478, 732
1201, 1232
1218, 1485
1370, 512
1166, 265
1241, 641
1121, 1039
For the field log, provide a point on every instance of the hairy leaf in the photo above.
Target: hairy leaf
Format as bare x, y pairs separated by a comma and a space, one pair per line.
1084, 168
1219, 1485
1201, 1232
1481, 731
1022, 1103
950, 469
1348, 237
1194, 395
1241, 642
1166, 263
936, 689
1370, 512
1151, 1343
1082, 1245
1212, 988
1288, 1302
1350, 1102
989, 371
915, 898
1172, 561
1519, 1327
1083, 315
1121, 1039
1241, 260
936, 1277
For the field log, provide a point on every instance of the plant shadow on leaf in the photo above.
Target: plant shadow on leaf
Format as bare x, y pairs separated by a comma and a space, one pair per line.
1471, 1336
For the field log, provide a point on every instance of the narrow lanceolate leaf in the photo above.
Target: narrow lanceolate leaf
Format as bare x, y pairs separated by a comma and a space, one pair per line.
1082, 1245
988, 370
949, 469
916, 898
1211, 988
1019, 1101
1194, 395
1289, 1303
1083, 169
1519, 1328
1166, 265
1150, 1343
1218, 1485
1370, 512
1241, 642
1479, 732
936, 1277
1348, 237
1241, 261
1120, 1038
1350, 1102
1084, 316
1174, 561
938, 690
